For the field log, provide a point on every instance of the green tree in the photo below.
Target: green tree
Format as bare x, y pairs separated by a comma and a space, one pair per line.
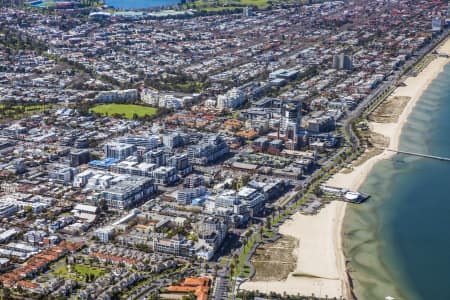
28, 209
190, 296
269, 222
6, 293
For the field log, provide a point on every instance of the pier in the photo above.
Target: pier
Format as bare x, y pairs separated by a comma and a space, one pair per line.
420, 154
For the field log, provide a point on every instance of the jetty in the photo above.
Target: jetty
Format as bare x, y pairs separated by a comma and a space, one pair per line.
420, 154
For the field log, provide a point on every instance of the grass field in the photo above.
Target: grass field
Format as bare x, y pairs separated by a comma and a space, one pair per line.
17, 111
219, 5
79, 272
127, 110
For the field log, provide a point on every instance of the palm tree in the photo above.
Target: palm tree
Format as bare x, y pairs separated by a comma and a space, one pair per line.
232, 266
216, 269
235, 258
269, 222
278, 210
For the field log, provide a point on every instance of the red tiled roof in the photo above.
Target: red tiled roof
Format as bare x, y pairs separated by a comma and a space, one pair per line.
28, 284
130, 261
39, 261
198, 285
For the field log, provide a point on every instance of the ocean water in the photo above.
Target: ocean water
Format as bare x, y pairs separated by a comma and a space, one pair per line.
139, 4
398, 243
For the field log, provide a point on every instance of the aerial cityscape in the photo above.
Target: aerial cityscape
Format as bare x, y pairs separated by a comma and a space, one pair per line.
226, 149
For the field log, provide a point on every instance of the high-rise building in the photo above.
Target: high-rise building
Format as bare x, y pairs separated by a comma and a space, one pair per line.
336, 61
247, 11
291, 117
156, 156
181, 163
79, 157
165, 175
174, 140
210, 149
436, 23
231, 100
342, 62
119, 150
193, 181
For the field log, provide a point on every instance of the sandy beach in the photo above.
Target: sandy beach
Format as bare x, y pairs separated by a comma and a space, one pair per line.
316, 270
320, 266
414, 88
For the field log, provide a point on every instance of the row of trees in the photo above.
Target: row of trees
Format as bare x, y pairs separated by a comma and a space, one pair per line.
177, 82
10, 3
250, 295
20, 41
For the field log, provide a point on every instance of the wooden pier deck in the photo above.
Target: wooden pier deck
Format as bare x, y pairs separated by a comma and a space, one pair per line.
420, 154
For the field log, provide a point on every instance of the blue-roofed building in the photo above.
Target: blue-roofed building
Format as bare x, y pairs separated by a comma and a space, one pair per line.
103, 164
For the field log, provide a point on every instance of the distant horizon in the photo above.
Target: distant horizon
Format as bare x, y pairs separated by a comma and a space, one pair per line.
139, 4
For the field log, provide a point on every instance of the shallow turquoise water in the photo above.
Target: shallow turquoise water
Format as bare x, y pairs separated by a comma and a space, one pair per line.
399, 241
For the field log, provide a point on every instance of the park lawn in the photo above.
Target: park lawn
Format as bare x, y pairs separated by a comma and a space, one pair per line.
257, 3
195, 86
220, 8
79, 272
87, 270
30, 107
22, 110
128, 110
218, 5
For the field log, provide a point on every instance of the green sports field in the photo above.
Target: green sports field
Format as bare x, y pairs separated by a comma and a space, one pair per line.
127, 110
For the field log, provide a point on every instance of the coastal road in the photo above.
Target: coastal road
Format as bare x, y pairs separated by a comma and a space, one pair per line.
373, 97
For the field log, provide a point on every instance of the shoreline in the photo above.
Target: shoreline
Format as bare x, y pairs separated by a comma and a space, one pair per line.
320, 254
415, 87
